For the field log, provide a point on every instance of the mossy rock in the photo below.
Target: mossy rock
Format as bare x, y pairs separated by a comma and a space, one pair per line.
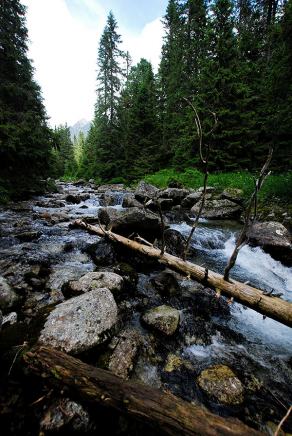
220, 383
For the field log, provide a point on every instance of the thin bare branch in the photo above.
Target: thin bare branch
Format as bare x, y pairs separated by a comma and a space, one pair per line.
277, 432
252, 205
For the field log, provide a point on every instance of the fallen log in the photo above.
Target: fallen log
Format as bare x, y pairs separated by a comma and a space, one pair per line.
161, 410
272, 307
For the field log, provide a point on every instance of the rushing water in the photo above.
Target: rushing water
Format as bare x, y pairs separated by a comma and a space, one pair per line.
214, 243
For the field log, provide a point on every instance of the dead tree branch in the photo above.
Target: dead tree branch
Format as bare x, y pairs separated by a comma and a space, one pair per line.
248, 220
204, 161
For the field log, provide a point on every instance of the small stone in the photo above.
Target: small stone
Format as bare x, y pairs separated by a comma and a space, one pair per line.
11, 318
95, 280
173, 362
163, 318
126, 348
28, 236
65, 412
220, 383
8, 297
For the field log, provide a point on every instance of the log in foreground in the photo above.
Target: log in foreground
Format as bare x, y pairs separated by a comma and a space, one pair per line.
161, 410
270, 306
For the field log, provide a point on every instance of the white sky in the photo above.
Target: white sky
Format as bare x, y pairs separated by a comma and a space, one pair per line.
63, 47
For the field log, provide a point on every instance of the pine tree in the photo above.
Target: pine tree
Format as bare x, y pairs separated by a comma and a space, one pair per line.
103, 141
139, 123
64, 161
24, 135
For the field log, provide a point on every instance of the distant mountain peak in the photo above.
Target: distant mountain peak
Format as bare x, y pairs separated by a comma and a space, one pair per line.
80, 126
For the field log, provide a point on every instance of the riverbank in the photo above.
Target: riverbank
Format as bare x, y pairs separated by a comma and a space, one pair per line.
45, 264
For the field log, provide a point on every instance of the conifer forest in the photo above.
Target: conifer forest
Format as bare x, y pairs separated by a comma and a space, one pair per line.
146, 261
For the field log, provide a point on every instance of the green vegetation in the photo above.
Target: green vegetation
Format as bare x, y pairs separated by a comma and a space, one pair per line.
275, 186
227, 57
24, 135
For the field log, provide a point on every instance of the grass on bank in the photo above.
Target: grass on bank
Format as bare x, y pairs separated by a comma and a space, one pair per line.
276, 186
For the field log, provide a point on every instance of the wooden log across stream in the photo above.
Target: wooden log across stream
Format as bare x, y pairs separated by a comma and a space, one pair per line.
272, 307
163, 411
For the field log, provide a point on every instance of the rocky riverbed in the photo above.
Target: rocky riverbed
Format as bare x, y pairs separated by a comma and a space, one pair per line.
112, 308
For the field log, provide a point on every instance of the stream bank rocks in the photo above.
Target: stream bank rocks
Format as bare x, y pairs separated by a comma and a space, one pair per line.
163, 318
8, 297
81, 323
274, 238
93, 280
125, 349
220, 383
218, 209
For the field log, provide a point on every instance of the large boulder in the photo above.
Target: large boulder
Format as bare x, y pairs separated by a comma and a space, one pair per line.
274, 238
131, 220
113, 187
76, 198
110, 198
175, 242
126, 346
145, 192
94, 280
81, 322
233, 194
175, 194
221, 384
218, 209
8, 297
129, 200
193, 198
163, 318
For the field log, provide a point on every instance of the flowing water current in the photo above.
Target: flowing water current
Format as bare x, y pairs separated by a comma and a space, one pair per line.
268, 344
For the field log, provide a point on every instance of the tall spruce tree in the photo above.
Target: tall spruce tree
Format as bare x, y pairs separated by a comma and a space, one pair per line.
102, 147
24, 136
139, 123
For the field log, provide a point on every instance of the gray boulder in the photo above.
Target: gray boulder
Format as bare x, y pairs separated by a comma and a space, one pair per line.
145, 191
233, 194
218, 209
274, 238
126, 347
129, 200
94, 280
81, 322
131, 220
220, 383
193, 198
110, 198
175, 194
8, 297
113, 187
163, 318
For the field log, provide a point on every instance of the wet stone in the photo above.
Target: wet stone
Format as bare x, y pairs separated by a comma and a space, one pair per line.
8, 297
220, 383
94, 280
163, 318
126, 347
81, 322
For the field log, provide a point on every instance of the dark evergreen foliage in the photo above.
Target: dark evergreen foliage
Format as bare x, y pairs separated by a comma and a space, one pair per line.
24, 135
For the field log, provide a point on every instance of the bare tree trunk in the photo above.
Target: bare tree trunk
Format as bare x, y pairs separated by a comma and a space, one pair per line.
163, 411
273, 307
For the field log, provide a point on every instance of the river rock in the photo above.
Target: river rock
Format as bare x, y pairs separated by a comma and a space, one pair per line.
129, 200
191, 199
175, 194
166, 284
8, 297
77, 198
233, 194
94, 280
163, 318
65, 412
175, 242
28, 236
113, 187
81, 322
218, 209
10, 319
126, 347
109, 198
131, 220
145, 192
274, 238
220, 383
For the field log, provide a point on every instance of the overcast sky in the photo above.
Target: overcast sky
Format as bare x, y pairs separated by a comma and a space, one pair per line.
64, 37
